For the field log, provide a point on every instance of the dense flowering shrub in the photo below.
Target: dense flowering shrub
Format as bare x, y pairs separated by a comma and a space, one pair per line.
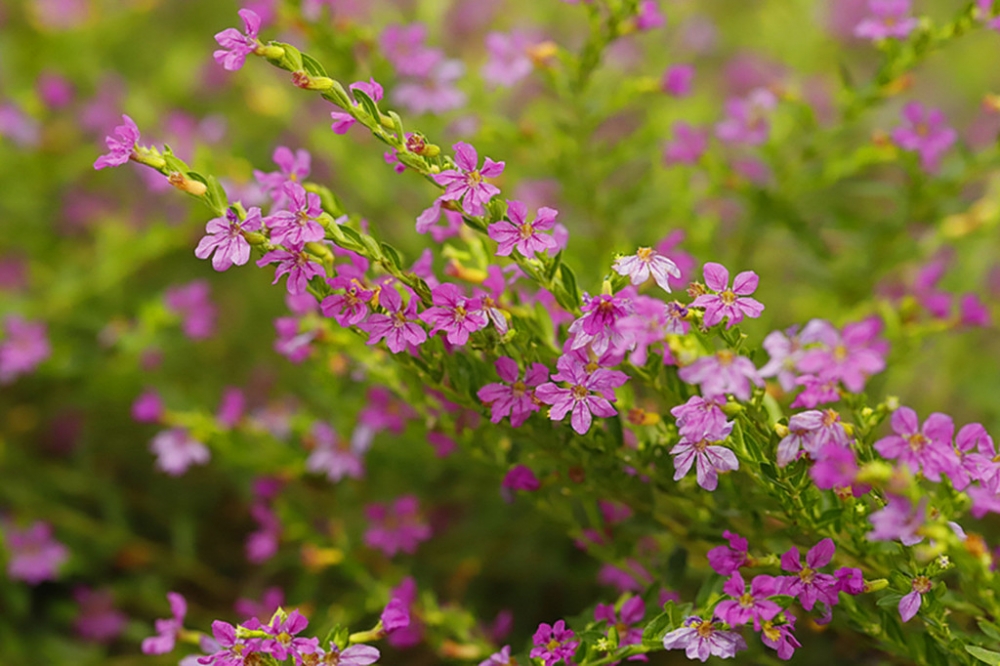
538, 269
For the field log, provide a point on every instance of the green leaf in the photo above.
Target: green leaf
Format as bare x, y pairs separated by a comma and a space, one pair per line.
313, 66
889, 601
397, 122
372, 246
652, 635
369, 105
291, 60
217, 196
984, 655
570, 289
393, 255
990, 629
353, 238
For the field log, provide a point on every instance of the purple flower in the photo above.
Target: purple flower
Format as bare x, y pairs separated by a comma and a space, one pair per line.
396, 614
26, 345
525, 236
501, 658
631, 614
514, 398
225, 238
747, 119
835, 467
193, 303
351, 307
120, 148
453, 313
700, 416
688, 145
284, 643
343, 121
850, 356
898, 520
597, 326
651, 320
926, 132
508, 60
888, 19
231, 407
98, 620
292, 167
400, 617
590, 392
176, 450
396, 527
731, 304
926, 450
726, 560
399, 327
721, 373
910, 604
355, 655
809, 585
973, 312
297, 226
748, 605
988, 471
554, 643
520, 477
403, 47
290, 343
466, 183
331, 455
649, 16
294, 262
785, 350
850, 580
436, 93
811, 431
711, 458
780, 637
148, 407
167, 629
236, 46
645, 262
700, 639
33, 555
677, 81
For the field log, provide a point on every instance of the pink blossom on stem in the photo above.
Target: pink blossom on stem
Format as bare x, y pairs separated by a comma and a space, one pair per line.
521, 234
297, 264
624, 621
120, 147
597, 326
292, 167
706, 455
283, 642
33, 555
730, 304
926, 450
520, 477
649, 17
236, 46
887, 19
780, 638
465, 183
721, 373
454, 314
396, 527
514, 398
148, 407
167, 629
910, 604
296, 226
726, 560
590, 393
898, 520
554, 643
648, 262
225, 237
748, 605
808, 584
24, 347
176, 450
701, 639
343, 121
351, 307
925, 132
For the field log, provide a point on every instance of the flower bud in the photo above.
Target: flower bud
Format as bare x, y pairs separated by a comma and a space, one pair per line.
876, 585
185, 184
301, 79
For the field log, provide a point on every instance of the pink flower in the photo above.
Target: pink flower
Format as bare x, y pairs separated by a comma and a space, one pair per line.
167, 630
926, 132
331, 456
721, 373
231, 407
645, 262
850, 356
749, 605
554, 643
291, 343
677, 81
747, 121
284, 644
809, 585
590, 393
631, 614
403, 47
225, 238
97, 620
343, 121
148, 407
926, 450
730, 304
811, 431
688, 145
701, 639
649, 16
711, 458
292, 167
396, 527
193, 303
888, 19
236, 46
514, 398
120, 148
466, 183
520, 477
726, 560
701, 416
780, 638
453, 313
355, 655
597, 327
33, 555
25, 346
296, 226
508, 60
435, 94
835, 467
297, 264
176, 450
910, 604
898, 520
525, 236
351, 307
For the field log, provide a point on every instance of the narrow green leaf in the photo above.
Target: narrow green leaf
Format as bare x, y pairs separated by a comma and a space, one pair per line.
984, 655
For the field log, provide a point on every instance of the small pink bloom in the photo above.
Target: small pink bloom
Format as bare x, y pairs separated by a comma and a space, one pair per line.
730, 304
236, 46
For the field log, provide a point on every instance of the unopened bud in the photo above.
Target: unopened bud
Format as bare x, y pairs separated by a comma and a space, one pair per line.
301, 79
874, 473
781, 430
875, 585
542, 54
270, 52
185, 184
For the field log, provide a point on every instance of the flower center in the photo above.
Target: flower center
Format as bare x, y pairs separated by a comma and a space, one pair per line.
645, 254
459, 313
728, 297
830, 417
580, 392
917, 442
725, 357
772, 633
284, 637
807, 575
705, 629
840, 353
527, 230
922, 584
475, 177
518, 388
746, 601
398, 320
552, 645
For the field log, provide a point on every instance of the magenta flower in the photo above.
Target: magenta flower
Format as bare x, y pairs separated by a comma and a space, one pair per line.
291, 343
167, 629
835, 467
292, 167
910, 604
597, 326
525, 236
176, 450
403, 47
651, 320
33, 555
711, 458
589, 394
354, 655
850, 356
98, 620
236, 46
926, 132
747, 120
887, 19
297, 226
351, 307
396, 527
454, 314
926, 450
731, 304
785, 350
808, 584
193, 303
645, 262
677, 80
466, 183
231, 407
726, 560
508, 60
748, 605
284, 644
554, 643
262, 544
501, 658
343, 121
332, 456
435, 94
688, 145
899, 520
811, 431
232, 651
225, 238
631, 614
25, 346
780, 638
721, 373
520, 477
649, 16
297, 264
120, 148
986, 460
148, 407
701, 639
515, 397
699, 416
